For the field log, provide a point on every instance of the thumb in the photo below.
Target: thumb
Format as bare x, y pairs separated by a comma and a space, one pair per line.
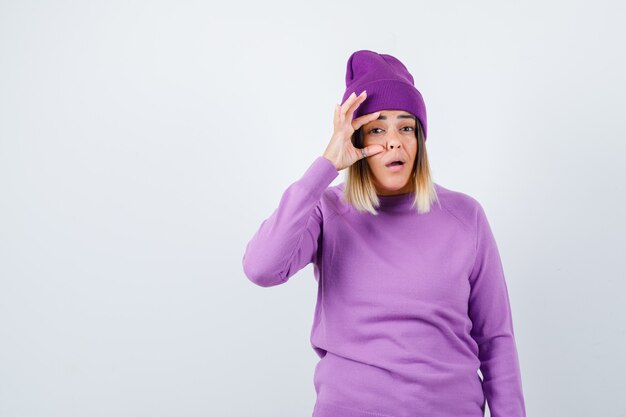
373, 149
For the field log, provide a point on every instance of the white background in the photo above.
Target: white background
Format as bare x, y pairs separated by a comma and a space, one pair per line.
142, 143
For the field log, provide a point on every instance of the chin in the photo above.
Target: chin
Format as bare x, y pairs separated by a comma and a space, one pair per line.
393, 184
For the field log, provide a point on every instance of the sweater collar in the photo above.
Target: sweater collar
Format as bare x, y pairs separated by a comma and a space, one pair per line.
392, 202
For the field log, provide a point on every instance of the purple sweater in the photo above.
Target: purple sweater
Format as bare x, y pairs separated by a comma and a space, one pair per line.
409, 306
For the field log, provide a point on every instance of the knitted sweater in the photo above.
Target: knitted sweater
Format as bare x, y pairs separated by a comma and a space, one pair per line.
409, 305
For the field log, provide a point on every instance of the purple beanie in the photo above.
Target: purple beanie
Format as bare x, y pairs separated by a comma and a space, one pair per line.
388, 83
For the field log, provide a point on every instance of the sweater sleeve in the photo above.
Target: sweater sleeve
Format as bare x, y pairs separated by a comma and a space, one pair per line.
287, 240
492, 327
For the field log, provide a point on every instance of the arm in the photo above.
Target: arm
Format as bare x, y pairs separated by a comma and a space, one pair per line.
490, 312
287, 241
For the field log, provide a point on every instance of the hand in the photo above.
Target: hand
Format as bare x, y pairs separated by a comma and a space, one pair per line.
340, 151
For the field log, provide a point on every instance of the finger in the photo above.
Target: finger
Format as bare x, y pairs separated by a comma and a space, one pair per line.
373, 150
360, 99
346, 104
351, 101
362, 120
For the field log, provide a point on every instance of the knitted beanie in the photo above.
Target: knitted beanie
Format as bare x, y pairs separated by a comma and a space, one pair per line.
388, 83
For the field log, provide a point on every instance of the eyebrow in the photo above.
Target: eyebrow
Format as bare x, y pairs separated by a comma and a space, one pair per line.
400, 116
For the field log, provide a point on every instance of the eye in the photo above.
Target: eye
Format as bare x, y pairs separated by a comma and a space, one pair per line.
411, 128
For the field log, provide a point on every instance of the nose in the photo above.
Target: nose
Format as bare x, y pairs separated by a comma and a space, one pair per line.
393, 141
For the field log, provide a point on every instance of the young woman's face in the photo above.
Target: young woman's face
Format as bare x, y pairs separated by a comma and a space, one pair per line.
396, 131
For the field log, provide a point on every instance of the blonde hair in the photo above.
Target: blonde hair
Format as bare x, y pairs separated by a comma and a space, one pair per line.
359, 190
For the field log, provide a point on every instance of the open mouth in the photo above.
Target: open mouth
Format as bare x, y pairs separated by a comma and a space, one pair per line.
394, 163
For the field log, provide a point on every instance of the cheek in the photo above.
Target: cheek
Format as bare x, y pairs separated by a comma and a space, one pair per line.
376, 165
411, 147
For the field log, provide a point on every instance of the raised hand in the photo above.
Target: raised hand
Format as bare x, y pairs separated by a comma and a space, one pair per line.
340, 151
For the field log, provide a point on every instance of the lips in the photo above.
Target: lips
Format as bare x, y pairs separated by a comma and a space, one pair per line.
394, 163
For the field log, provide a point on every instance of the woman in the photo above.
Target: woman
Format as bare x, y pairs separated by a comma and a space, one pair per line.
412, 299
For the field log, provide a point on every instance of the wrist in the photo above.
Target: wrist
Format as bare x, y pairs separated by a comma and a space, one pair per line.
331, 161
